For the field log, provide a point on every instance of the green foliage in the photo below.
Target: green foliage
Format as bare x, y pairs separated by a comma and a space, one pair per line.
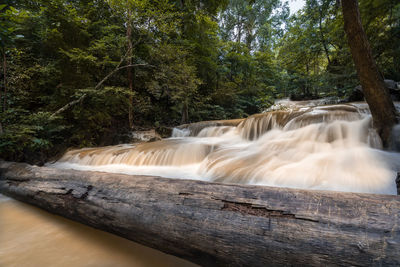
173, 77
208, 59
254, 23
315, 54
29, 134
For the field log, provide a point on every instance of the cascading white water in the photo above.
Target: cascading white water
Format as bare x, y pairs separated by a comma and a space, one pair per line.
313, 147
180, 132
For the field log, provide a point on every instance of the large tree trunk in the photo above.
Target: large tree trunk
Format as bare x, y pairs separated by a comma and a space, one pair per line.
377, 96
219, 224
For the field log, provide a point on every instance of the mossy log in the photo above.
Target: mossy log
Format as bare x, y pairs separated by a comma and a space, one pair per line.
219, 224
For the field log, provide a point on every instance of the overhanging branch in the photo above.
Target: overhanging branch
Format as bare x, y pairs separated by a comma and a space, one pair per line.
82, 97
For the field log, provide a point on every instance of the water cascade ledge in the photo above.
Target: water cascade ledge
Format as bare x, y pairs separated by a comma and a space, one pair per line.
216, 224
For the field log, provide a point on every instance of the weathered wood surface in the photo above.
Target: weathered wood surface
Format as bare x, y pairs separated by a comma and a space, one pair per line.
219, 224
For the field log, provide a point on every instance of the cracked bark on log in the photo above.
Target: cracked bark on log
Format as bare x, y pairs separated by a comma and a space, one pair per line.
219, 224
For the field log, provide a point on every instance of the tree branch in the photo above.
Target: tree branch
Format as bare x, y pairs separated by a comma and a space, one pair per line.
116, 70
80, 99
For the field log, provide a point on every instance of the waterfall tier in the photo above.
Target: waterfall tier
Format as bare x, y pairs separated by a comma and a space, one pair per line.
331, 147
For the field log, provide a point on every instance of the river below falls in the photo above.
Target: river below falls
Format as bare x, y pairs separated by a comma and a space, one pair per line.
31, 237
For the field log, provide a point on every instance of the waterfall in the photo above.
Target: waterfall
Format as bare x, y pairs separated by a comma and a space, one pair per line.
297, 145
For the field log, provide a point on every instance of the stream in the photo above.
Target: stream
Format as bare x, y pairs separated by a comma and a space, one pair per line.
307, 145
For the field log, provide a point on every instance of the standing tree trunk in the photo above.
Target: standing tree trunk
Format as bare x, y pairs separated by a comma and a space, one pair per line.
5, 80
130, 79
306, 91
377, 96
185, 112
239, 30
1, 108
323, 37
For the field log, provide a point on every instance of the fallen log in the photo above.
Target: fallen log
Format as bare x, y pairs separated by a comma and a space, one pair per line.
219, 224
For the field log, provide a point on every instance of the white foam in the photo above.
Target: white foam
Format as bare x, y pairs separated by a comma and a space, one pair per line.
325, 148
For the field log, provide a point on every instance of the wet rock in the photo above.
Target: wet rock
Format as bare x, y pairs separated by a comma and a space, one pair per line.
357, 94
164, 131
395, 139
301, 97
394, 89
392, 86
145, 136
155, 138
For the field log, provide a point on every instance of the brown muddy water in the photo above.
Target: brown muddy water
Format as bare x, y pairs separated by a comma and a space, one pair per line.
31, 237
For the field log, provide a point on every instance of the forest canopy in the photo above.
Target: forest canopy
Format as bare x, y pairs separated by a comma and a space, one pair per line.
83, 73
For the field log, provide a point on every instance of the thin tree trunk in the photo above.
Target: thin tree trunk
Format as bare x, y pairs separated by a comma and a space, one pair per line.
249, 36
5, 81
377, 96
323, 37
1, 108
316, 75
308, 75
185, 113
239, 35
325, 47
130, 80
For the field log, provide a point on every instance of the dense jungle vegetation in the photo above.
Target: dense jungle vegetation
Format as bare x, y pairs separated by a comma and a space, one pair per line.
84, 73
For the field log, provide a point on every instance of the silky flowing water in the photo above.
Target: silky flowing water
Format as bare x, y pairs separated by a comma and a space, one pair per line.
294, 144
